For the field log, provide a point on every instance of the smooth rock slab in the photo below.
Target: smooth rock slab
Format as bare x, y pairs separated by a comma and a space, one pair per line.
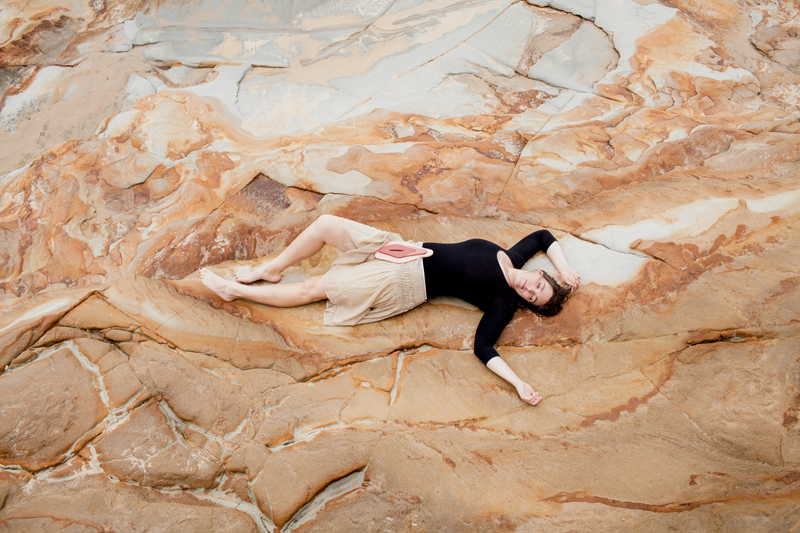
213, 403
291, 478
747, 391
146, 450
524, 477
670, 378
93, 502
578, 63
211, 31
67, 406
23, 324
397, 511
408, 38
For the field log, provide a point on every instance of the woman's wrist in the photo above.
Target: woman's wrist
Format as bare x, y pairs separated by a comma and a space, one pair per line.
516, 382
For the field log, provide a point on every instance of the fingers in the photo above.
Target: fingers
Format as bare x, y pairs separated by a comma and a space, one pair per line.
573, 279
528, 395
532, 397
570, 277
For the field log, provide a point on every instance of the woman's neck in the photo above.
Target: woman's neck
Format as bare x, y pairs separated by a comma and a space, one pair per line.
507, 267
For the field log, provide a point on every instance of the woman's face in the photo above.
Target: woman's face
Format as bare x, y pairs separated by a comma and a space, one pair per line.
533, 287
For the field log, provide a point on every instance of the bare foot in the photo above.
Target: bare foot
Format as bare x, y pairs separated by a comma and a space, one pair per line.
221, 286
260, 272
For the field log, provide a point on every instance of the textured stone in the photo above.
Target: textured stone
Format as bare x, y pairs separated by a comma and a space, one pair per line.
85, 504
215, 404
293, 477
59, 334
93, 349
146, 450
96, 313
143, 140
67, 408
23, 324
121, 385
110, 361
45, 109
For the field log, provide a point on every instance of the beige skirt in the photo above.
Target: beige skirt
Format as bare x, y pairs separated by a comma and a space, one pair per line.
363, 289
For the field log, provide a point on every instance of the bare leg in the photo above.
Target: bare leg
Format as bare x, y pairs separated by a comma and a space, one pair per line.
288, 295
327, 229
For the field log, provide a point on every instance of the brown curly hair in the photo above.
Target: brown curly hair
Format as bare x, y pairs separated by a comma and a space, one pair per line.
554, 304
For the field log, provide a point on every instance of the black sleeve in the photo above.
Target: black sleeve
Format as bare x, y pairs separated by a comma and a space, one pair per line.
527, 247
489, 329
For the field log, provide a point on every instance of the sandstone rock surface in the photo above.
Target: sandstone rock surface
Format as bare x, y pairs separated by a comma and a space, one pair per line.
659, 142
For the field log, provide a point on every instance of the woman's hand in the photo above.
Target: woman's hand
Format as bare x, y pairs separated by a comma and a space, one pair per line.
570, 277
525, 391
527, 394
565, 272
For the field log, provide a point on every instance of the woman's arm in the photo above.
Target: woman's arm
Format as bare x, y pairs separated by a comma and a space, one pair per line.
528, 246
568, 276
489, 329
525, 391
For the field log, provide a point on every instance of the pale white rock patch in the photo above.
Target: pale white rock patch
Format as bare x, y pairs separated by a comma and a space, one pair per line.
579, 63
119, 123
683, 221
137, 88
225, 87
596, 263
45, 87
583, 8
788, 202
436, 90
262, 33
269, 105
405, 39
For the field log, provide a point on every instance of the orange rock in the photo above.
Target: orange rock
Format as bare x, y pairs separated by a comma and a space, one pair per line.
292, 477
54, 504
213, 403
669, 379
121, 385
68, 408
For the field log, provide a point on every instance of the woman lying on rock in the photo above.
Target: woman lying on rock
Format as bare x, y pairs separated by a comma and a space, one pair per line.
363, 286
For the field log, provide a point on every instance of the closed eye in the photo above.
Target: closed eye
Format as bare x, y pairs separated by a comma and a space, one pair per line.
539, 286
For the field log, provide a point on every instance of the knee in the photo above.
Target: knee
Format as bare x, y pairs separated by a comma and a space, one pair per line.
326, 221
328, 228
308, 286
313, 289
321, 223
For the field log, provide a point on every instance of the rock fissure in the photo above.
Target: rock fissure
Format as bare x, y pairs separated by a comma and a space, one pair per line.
393, 392
679, 381
335, 489
332, 48
264, 524
672, 507
307, 436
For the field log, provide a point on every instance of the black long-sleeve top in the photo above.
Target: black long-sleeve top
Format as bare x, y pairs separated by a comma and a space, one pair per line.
469, 270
